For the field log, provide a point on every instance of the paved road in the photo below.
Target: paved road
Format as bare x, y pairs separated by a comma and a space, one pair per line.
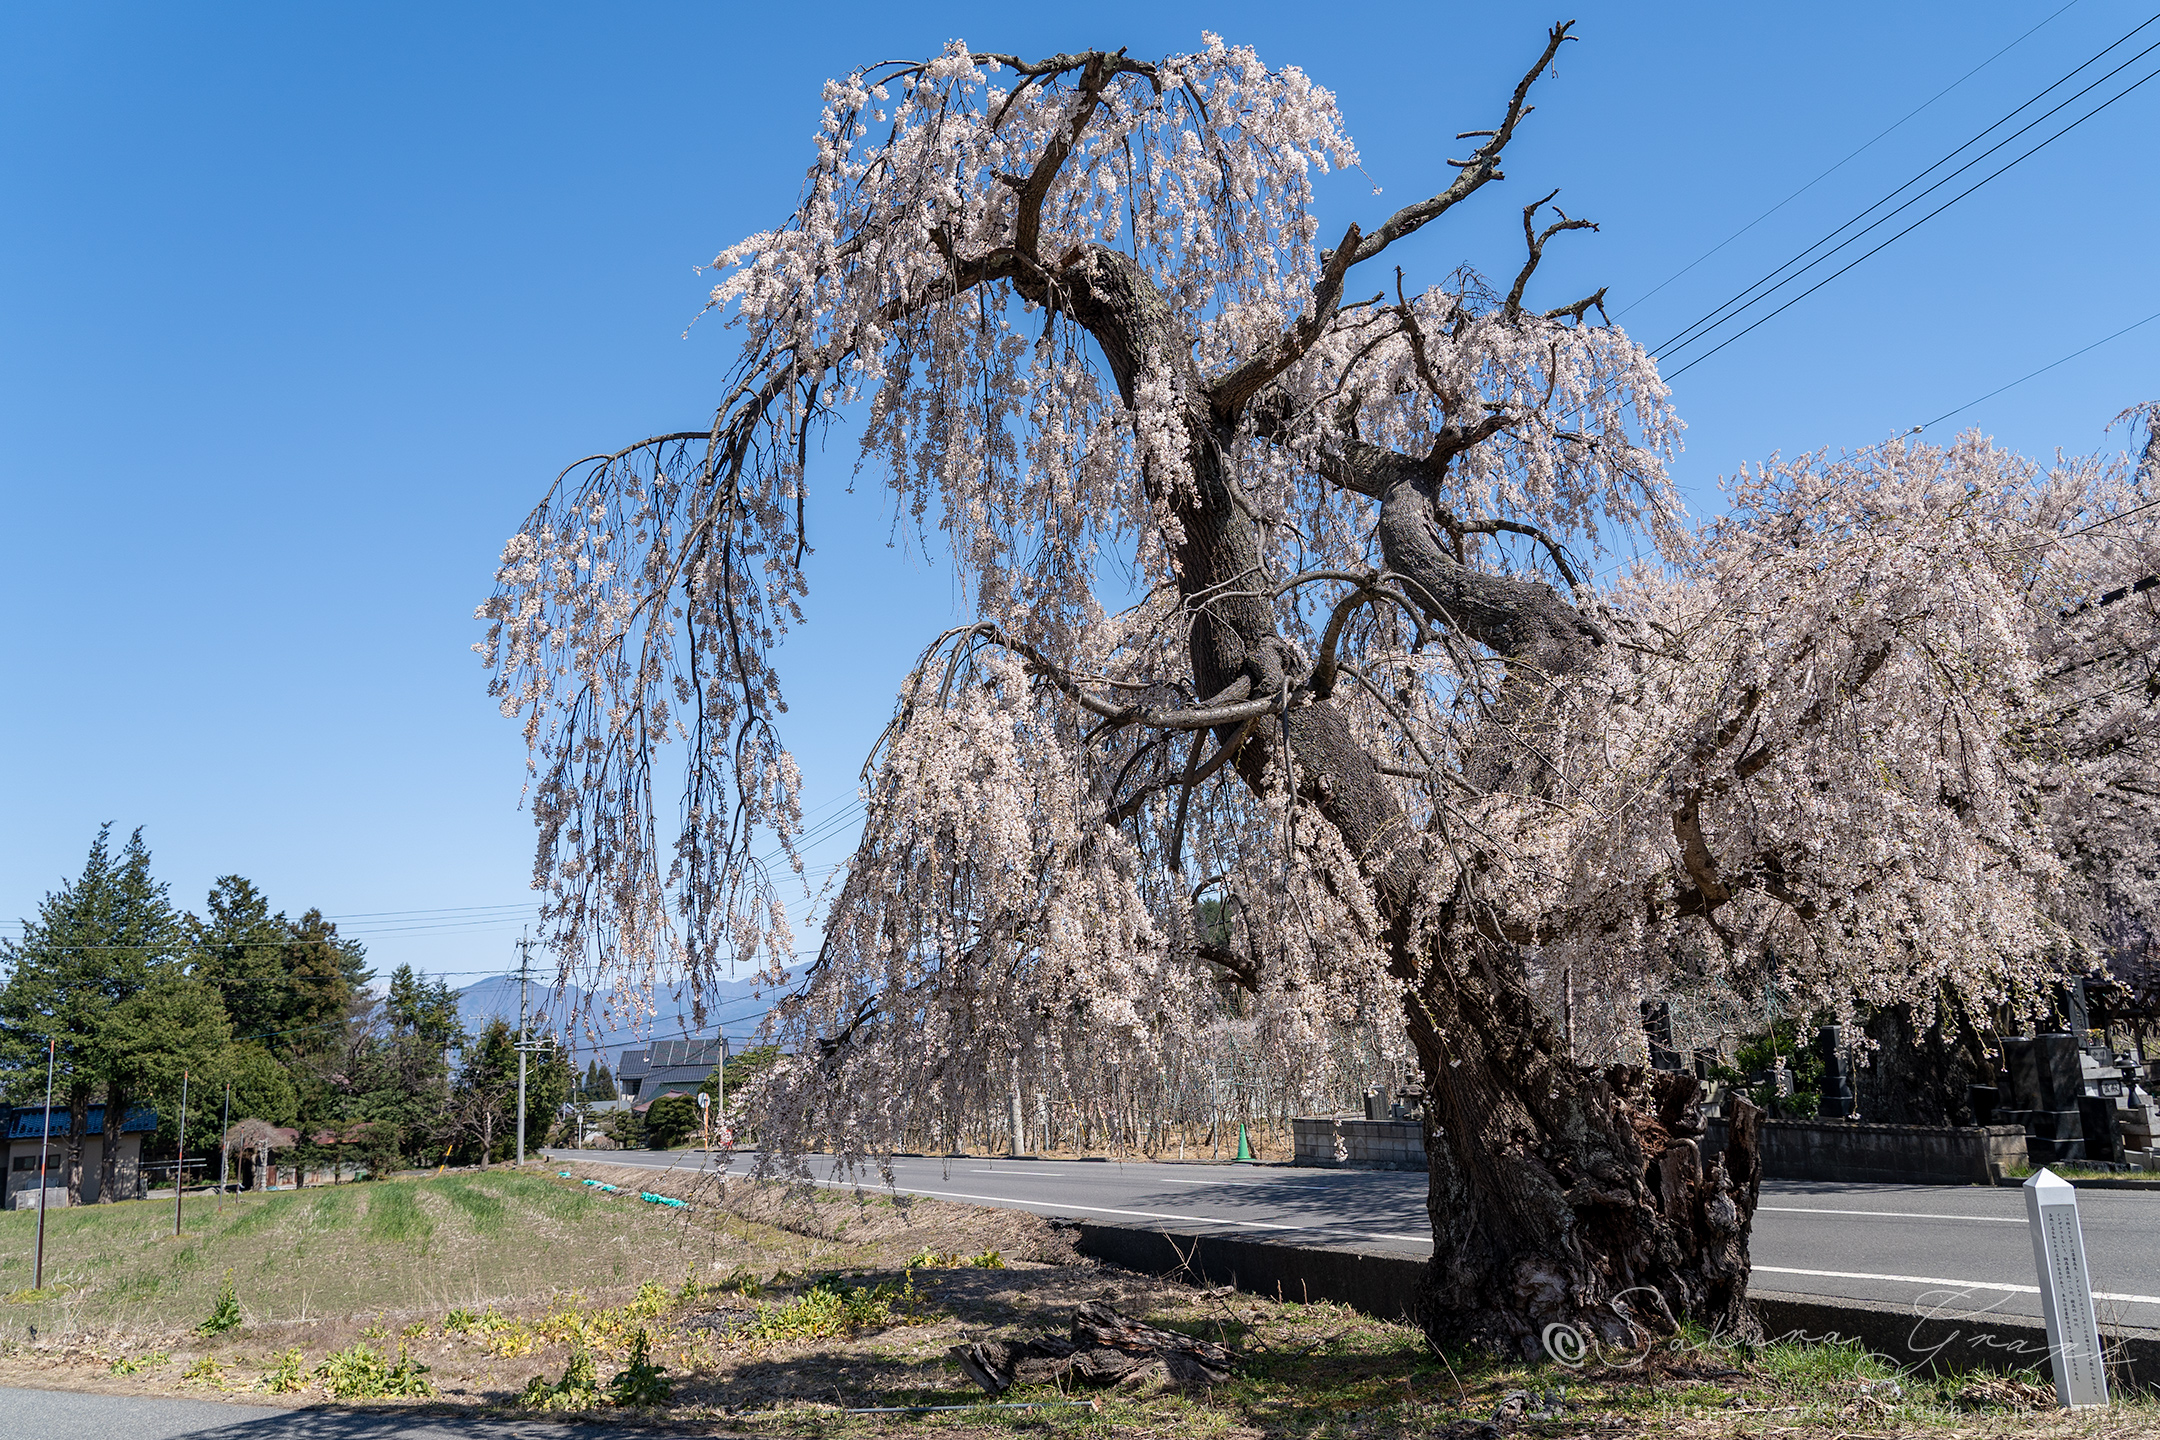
1904, 1244
43, 1414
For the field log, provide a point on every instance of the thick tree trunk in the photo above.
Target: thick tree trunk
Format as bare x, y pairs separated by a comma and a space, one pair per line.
1568, 1195
1558, 1195
78, 1136
116, 1103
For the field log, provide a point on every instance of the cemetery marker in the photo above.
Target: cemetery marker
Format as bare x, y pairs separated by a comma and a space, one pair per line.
2073, 1331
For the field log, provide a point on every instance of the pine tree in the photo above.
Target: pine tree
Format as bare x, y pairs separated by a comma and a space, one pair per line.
239, 950
98, 942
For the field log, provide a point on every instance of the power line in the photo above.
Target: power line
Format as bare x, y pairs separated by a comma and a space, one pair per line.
1758, 323
1745, 298
1850, 156
2041, 371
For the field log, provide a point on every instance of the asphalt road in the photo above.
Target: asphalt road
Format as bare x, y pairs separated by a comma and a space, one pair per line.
1957, 1248
44, 1414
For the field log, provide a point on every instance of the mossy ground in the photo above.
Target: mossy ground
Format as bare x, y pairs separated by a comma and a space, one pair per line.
771, 1312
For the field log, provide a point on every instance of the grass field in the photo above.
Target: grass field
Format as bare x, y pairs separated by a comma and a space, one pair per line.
463, 1239
764, 1311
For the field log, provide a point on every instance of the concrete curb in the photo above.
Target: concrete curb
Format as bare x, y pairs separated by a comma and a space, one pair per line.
1946, 1335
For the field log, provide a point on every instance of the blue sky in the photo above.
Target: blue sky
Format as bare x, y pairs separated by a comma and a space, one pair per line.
303, 306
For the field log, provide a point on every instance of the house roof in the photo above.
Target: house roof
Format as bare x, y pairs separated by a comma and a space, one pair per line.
24, 1123
672, 1056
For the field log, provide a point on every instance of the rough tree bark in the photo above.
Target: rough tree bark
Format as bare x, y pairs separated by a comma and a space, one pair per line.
116, 1103
77, 1137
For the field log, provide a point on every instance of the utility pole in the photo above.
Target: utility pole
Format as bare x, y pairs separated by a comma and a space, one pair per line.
179, 1178
524, 972
37, 1278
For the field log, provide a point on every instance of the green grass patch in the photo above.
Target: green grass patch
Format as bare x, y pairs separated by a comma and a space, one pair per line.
827, 1309
417, 1245
486, 1211
394, 1216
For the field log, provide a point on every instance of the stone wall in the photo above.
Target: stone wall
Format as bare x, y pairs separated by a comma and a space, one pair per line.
1889, 1154
1365, 1144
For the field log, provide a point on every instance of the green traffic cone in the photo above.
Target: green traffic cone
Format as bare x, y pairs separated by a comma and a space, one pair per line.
1244, 1148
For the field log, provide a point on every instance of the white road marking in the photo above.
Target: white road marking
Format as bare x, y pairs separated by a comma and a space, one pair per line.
1939, 1280
1256, 1184
1028, 1173
1890, 1214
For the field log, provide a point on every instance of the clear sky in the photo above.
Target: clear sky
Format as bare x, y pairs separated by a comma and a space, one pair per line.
302, 306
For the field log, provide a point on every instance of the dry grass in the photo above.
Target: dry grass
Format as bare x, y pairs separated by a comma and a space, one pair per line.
770, 1312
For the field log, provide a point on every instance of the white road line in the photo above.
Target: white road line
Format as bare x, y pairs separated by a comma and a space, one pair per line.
1890, 1214
1027, 1173
1256, 1184
1939, 1280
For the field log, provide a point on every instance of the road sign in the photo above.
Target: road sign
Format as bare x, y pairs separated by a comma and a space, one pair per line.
2073, 1331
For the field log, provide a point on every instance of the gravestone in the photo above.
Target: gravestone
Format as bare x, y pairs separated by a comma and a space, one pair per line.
1837, 1092
2073, 1329
2047, 1075
2103, 1135
1376, 1103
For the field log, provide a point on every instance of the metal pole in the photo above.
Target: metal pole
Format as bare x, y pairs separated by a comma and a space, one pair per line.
524, 964
37, 1278
179, 1178
720, 1082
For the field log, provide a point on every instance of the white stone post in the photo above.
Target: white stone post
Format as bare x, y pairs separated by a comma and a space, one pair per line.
2073, 1330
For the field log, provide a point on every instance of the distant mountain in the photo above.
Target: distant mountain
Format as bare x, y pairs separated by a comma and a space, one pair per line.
736, 1007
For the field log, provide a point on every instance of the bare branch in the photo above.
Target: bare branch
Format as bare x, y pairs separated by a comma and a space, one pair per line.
1536, 239
1482, 166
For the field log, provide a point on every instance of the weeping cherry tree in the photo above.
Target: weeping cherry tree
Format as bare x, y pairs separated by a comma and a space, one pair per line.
1292, 707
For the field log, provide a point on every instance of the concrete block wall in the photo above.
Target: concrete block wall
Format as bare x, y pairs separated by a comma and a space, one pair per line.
1791, 1149
1366, 1144
1891, 1154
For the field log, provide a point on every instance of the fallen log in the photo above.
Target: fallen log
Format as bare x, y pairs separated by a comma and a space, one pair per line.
1105, 1348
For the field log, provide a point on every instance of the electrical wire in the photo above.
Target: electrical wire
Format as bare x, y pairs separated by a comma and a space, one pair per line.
1746, 298
1850, 156
1762, 320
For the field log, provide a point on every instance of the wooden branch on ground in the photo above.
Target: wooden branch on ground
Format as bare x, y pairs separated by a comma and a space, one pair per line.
1105, 1348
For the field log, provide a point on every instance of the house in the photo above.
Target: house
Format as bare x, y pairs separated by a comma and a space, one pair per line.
668, 1067
25, 1122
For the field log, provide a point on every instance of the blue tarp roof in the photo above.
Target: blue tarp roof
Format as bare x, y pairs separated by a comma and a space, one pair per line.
23, 1125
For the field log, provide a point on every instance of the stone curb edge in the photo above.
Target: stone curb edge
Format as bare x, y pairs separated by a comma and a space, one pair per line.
1384, 1285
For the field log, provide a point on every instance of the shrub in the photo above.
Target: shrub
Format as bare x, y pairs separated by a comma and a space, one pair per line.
358, 1373
642, 1382
579, 1388
205, 1371
288, 1375
669, 1121
825, 1309
225, 1315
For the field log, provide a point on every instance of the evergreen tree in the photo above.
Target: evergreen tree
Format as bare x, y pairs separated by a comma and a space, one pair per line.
550, 1079
238, 949
173, 1026
599, 1082
98, 942
486, 1099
